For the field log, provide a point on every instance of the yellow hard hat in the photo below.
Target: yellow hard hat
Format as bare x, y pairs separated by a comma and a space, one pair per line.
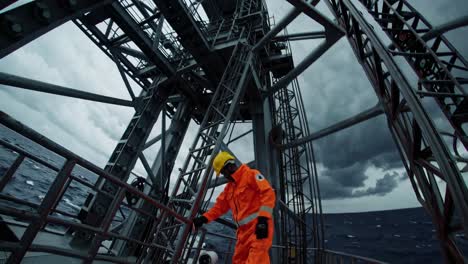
220, 160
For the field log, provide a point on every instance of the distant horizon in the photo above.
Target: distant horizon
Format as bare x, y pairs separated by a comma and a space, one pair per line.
383, 210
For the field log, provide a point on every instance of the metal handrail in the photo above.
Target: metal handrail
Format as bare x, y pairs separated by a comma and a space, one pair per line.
42, 216
326, 256
336, 257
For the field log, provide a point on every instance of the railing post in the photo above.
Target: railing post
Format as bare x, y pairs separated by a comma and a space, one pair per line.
10, 172
43, 211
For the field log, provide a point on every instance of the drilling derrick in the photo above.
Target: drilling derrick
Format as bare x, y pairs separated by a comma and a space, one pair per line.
223, 64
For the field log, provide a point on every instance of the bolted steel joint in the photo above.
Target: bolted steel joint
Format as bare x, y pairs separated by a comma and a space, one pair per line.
69, 4
11, 26
99, 209
42, 12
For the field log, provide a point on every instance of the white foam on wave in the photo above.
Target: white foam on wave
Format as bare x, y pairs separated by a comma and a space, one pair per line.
35, 167
67, 201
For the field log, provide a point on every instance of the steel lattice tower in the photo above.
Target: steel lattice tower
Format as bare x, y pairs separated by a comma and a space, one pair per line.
221, 63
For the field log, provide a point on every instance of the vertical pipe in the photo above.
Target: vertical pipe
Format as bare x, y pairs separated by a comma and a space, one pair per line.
163, 146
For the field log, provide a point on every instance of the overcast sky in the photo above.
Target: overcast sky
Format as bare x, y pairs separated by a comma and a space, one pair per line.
359, 168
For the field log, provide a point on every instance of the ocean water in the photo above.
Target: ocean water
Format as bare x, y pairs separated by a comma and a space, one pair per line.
396, 236
32, 180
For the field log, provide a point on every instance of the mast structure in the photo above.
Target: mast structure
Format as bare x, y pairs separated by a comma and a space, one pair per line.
221, 63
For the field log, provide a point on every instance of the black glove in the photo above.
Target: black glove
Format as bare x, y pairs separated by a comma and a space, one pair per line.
261, 230
199, 221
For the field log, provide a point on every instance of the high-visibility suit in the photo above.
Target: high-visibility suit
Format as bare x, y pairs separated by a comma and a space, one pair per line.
248, 196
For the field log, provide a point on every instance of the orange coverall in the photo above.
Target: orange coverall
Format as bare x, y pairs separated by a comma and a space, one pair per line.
249, 196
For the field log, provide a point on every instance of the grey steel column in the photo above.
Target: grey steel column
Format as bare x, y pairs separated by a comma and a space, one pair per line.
138, 225
266, 159
174, 138
123, 159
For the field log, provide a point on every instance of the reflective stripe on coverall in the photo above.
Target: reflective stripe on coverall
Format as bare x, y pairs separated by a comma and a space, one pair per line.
249, 196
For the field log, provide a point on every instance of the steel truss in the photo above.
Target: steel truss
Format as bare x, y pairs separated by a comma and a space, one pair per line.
40, 215
441, 69
170, 55
299, 189
186, 198
138, 54
422, 148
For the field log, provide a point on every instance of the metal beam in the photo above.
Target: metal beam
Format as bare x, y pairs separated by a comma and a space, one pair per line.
141, 39
29, 84
123, 158
382, 69
27, 22
277, 28
333, 33
301, 36
285, 21
332, 29
132, 52
300, 68
361, 117
6, 3
136, 224
153, 141
239, 136
439, 30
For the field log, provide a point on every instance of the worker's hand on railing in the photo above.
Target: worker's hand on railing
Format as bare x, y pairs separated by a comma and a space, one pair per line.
261, 230
199, 221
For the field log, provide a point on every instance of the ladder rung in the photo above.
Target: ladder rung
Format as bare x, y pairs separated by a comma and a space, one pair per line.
188, 186
219, 112
455, 66
201, 148
198, 160
208, 138
424, 81
437, 94
182, 200
192, 171
409, 54
212, 125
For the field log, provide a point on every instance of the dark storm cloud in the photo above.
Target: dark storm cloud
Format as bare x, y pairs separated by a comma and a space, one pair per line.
348, 154
351, 176
382, 186
369, 142
332, 189
55, 118
335, 88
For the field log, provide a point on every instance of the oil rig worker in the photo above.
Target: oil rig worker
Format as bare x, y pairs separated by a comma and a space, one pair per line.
251, 199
